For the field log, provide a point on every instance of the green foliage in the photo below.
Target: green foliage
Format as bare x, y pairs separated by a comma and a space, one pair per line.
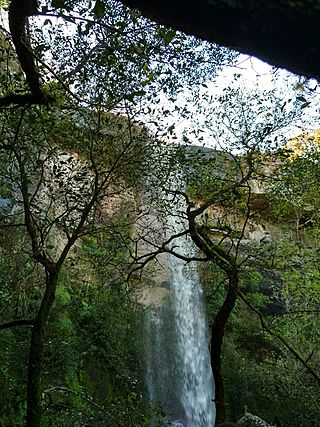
18, 299
295, 190
265, 377
260, 374
267, 380
111, 59
116, 55
13, 361
92, 339
93, 348
94, 351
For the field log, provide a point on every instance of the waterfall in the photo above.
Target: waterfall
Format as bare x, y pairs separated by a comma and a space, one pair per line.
179, 375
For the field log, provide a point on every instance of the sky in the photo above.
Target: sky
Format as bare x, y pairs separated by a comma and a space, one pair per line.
184, 117
252, 74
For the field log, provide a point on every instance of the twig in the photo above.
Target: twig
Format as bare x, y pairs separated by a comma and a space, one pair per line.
279, 337
96, 405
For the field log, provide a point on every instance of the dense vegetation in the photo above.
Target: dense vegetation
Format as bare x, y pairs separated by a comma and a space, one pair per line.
270, 348
77, 166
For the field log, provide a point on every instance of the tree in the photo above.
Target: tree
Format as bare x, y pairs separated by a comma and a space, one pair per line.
61, 198
270, 377
227, 190
222, 199
295, 190
61, 182
219, 241
124, 44
130, 58
273, 32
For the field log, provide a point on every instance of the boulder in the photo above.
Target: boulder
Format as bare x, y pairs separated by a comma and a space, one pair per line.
249, 420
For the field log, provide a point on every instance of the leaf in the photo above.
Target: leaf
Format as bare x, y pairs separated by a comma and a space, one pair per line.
99, 9
58, 4
299, 87
170, 128
131, 96
168, 36
301, 98
186, 139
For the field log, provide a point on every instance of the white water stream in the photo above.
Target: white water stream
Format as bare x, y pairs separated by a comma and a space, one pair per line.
179, 375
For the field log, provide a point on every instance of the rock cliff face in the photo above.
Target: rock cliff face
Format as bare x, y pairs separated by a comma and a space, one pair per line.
222, 222
151, 295
63, 176
153, 290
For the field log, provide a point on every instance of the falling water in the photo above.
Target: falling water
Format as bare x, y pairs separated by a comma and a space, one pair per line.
178, 366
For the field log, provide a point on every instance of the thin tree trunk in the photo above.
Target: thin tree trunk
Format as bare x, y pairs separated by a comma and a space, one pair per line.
228, 264
34, 405
217, 334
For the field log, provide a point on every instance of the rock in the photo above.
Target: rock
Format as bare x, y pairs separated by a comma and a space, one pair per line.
5, 207
152, 296
249, 420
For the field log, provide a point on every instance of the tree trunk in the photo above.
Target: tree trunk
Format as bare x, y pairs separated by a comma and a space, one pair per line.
34, 405
217, 334
227, 263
